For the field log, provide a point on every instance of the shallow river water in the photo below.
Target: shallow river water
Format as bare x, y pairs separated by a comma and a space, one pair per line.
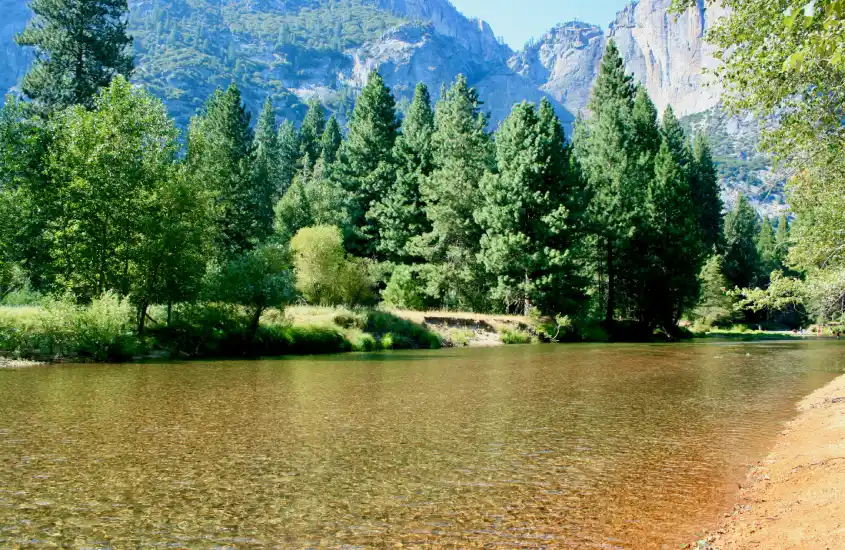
585, 446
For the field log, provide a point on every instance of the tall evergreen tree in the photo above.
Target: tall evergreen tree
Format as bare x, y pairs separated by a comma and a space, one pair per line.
527, 229
288, 145
311, 130
80, 46
219, 154
331, 141
266, 171
676, 252
767, 249
366, 166
608, 152
705, 189
782, 240
463, 153
741, 259
400, 213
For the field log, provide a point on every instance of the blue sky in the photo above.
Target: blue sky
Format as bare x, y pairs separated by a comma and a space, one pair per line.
518, 20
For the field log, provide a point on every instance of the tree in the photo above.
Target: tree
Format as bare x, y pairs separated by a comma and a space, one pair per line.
325, 274
706, 197
782, 240
106, 166
676, 251
266, 172
400, 214
260, 278
767, 250
617, 171
741, 260
311, 130
219, 154
463, 153
528, 233
365, 167
715, 305
331, 141
288, 146
80, 46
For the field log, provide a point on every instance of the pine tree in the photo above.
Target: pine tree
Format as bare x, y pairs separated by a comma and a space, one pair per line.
288, 145
366, 167
527, 229
741, 259
311, 130
266, 171
782, 240
715, 305
219, 153
331, 141
676, 253
767, 249
80, 46
463, 153
400, 214
608, 151
705, 188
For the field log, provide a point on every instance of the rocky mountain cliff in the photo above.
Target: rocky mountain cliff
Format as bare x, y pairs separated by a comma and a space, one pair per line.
293, 50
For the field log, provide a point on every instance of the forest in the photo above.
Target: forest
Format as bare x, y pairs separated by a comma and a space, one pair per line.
121, 233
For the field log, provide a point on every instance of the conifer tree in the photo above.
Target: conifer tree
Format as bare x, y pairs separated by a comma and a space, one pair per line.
365, 167
311, 130
219, 154
266, 171
330, 141
767, 249
400, 213
715, 305
288, 144
782, 237
607, 150
528, 231
705, 189
676, 252
741, 259
463, 153
80, 46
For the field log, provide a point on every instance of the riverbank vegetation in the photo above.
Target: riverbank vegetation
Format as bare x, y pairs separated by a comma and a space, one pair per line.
614, 233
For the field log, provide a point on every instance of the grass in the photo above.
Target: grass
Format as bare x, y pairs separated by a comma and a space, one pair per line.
745, 334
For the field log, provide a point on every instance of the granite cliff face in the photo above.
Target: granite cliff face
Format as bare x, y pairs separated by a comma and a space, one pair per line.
665, 52
296, 49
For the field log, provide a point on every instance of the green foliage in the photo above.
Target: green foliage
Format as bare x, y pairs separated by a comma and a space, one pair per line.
80, 46
462, 154
706, 197
325, 275
266, 171
366, 166
515, 337
107, 168
741, 259
101, 331
312, 200
400, 212
405, 290
220, 147
330, 141
259, 279
529, 215
716, 304
312, 130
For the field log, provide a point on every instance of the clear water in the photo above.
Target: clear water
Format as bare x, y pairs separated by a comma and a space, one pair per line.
611, 446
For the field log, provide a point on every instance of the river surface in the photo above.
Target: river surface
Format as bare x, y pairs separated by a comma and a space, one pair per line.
584, 446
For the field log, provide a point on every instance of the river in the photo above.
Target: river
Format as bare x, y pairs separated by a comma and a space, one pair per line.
585, 446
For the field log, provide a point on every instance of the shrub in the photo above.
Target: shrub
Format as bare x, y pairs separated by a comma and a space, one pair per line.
325, 275
404, 333
515, 337
404, 290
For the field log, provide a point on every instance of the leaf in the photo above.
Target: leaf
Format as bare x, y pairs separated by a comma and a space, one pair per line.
793, 61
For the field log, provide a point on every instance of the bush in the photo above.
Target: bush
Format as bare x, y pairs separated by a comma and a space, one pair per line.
325, 275
404, 290
510, 337
404, 334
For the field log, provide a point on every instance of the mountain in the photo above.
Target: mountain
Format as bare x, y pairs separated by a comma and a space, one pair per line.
293, 50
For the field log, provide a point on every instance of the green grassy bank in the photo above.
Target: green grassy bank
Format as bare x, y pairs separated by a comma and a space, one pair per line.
105, 331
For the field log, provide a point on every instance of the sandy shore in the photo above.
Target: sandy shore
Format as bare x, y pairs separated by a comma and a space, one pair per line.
6, 363
795, 498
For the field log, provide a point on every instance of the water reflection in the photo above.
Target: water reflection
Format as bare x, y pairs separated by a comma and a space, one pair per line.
558, 446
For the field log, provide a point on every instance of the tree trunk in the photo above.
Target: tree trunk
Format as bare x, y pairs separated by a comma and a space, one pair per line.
256, 319
611, 286
527, 304
142, 317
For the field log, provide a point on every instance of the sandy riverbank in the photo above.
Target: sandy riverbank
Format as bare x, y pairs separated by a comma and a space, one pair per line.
795, 498
6, 363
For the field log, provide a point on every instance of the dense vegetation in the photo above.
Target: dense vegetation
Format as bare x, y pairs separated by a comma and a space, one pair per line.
101, 203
